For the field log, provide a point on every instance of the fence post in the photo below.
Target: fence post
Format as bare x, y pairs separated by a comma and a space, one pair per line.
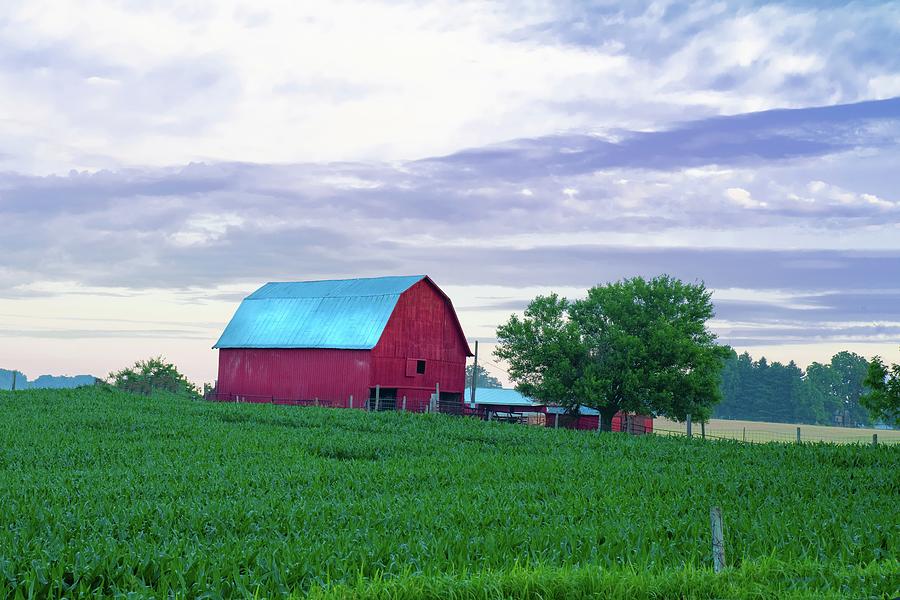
718, 540
745, 434
798, 435
599, 422
14, 380
689, 432
474, 376
437, 398
556, 421
377, 398
317, 400
404, 403
874, 439
703, 429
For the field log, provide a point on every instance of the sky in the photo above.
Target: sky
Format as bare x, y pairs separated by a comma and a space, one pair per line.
160, 160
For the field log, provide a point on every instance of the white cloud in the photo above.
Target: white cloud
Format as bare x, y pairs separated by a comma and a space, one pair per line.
826, 193
742, 197
204, 228
95, 84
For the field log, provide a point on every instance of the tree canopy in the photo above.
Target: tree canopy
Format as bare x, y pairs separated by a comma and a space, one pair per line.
883, 399
826, 393
484, 380
636, 345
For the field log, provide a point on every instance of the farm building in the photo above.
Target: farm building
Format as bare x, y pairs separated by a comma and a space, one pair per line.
509, 404
588, 418
505, 404
324, 341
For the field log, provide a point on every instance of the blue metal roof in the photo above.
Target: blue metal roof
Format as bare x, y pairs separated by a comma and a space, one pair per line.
582, 410
345, 313
504, 396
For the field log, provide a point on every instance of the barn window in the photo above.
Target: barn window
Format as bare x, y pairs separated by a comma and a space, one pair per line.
420, 367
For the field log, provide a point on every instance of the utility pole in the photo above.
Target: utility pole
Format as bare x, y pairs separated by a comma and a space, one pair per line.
474, 375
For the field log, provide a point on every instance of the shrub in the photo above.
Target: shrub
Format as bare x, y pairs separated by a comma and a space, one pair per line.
153, 375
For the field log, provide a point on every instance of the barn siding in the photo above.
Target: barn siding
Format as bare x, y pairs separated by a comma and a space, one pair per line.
422, 326
295, 374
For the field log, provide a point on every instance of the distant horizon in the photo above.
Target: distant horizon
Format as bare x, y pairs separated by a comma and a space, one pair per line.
782, 355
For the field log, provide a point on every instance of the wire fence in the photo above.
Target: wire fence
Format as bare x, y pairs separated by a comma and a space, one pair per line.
376, 404
754, 434
630, 424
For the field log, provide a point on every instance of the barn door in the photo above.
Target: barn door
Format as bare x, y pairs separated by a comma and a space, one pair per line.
450, 403
387, 399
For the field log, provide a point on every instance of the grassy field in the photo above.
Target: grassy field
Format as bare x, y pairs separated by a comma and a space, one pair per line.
104, 494
755, 431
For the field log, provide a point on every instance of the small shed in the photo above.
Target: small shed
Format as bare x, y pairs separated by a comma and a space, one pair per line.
508, 403
324, 341
505, 403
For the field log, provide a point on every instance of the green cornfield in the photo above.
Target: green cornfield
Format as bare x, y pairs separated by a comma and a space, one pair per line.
105, 494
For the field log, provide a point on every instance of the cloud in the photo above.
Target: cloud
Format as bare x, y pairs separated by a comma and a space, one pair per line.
564, 144
69, 333
742, 197
593, 212
741, 139
92, 85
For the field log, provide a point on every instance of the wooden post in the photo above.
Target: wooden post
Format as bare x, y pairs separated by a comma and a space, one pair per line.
351, 400
14, 380
435, 404
404, 403
317, 400
874, 439
474, 376
377, 398
599, 421
703, 430
745, 434
689, 433
718, 539
798, 435
556, 421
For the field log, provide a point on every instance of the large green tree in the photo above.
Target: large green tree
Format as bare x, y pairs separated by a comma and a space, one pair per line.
636, 345
883, 399
484, 379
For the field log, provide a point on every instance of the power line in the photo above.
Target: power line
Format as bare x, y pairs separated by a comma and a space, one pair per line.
496, 366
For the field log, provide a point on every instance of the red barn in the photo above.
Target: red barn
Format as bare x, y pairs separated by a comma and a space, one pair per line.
328, 340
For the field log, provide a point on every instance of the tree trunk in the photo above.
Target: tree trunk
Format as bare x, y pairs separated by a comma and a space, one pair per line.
606, 415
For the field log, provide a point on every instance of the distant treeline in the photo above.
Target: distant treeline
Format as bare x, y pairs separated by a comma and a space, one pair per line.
826, 394
44, 381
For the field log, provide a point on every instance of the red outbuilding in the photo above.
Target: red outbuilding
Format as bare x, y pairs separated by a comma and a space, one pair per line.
325, 341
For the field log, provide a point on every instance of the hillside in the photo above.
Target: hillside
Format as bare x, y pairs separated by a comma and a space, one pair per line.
104, 492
